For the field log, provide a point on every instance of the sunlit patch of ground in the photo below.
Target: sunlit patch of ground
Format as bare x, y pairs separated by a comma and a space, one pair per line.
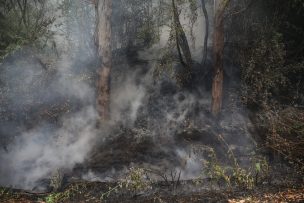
290, 195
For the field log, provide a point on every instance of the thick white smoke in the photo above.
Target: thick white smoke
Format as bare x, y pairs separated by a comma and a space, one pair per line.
36, 152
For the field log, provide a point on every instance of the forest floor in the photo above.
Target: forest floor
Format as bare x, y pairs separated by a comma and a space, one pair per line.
282, 184
92, 192
135, 148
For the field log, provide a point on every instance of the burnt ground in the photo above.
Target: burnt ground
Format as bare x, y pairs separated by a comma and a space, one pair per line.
146, 145
125, 148
111, 159
92, 192
283, 184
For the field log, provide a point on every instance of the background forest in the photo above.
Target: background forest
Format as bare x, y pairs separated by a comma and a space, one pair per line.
157, 100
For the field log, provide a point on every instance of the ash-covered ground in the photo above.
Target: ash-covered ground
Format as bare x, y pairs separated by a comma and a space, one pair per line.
49, 124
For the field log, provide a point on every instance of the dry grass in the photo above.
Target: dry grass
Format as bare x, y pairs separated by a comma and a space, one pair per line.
286, 135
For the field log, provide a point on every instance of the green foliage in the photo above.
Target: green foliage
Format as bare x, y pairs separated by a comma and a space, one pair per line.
5, 194
243, 178
165, 64
53, 198
236, 175
269, 50
284, 134
233, 174
261, 169
147, 35
215, 170
68, 194
177, 44
272, 69
262, 69
136, 22
135, 181
272, 78
22, 24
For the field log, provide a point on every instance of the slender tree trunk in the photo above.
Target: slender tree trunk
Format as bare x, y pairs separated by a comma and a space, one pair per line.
218, 52
206, 32
103, 40
183, 48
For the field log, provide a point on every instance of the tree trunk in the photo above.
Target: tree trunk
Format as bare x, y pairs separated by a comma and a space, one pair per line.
206, 32
182, 47
218, 52
181, 39
103, 40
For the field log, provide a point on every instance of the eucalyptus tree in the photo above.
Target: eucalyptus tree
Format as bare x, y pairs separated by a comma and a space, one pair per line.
182, 46
177, 52
218, 52
205, 48
104, 42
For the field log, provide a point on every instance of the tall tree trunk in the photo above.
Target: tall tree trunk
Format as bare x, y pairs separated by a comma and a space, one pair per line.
103, 40
218, 52
206, 32
182, 46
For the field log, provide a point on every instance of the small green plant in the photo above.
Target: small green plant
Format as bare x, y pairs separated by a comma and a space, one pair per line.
234, 174
53, 198
215, 171
261, 169
69, 193
4, 193
230, 175
110, 191
135, 181
243, 178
